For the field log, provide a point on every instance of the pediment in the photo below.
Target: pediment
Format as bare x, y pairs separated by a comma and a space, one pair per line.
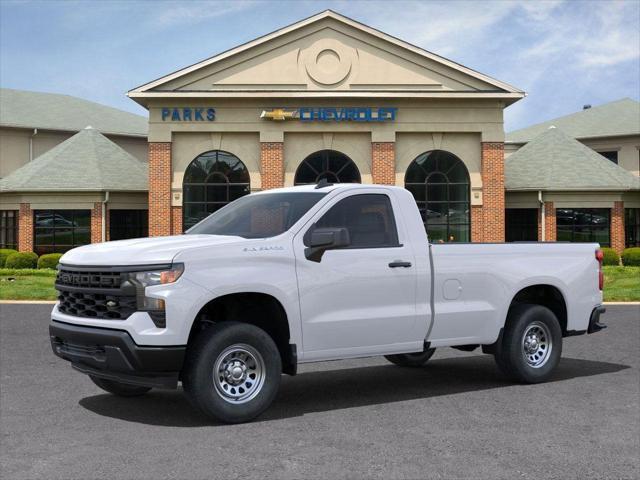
328, 53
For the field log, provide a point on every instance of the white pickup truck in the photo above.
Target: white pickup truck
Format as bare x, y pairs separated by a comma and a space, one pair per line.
306, 274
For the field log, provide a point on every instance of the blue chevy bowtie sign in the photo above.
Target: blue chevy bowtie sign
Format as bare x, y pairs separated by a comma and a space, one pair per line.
332, 114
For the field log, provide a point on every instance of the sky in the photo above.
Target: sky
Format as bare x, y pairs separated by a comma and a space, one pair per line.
564, 53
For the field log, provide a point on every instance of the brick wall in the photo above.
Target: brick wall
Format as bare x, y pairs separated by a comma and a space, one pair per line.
477, 224
492, 192
96, 223
272, 164
176, 220
617, 226
550, 222
25, 228
383, 163
159, 188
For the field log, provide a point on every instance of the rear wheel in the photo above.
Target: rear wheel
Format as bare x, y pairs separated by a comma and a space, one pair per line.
411, 359
531, 345
119, 388
232, 372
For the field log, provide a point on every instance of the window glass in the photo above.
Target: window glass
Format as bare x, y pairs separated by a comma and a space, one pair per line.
125, 224
211, 181
61, 230
583, 225
335, 167
613, 156
258, 216
9, 229
521, 224
368, 217
439, 182
632, 227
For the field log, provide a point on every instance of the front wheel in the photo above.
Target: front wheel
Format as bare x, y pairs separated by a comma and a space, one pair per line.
531, 345
119, 388
411, 359
232, 372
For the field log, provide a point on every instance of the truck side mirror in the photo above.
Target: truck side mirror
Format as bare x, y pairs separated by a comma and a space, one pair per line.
323, 239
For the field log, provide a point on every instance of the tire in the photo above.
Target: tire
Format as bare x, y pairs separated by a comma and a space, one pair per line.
118, 388
411, 359
232, 372
531, 344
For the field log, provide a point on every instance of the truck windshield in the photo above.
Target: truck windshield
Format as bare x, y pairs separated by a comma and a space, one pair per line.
258, 216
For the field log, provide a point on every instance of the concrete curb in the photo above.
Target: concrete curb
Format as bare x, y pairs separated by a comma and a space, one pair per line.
27, 302
621, 303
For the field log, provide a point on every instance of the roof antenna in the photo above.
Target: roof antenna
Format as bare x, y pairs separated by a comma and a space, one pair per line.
323, 182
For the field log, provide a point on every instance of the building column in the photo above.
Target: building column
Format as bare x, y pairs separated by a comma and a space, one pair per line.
550, 222
159, 189
493, 204
383, 163
477, 222
96, 222
617, 226
272, 164
176, 221
25, 228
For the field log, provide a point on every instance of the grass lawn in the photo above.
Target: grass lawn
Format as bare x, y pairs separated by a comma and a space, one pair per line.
621, 284
27, 284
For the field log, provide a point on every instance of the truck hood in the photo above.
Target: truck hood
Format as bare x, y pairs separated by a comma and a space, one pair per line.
142, 251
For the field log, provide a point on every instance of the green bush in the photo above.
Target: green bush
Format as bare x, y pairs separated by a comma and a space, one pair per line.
49, 260
4, 253
22, 260
631, 257
611, 257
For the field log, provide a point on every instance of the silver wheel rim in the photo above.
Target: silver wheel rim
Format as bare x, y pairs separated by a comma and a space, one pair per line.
537, 344
239, 373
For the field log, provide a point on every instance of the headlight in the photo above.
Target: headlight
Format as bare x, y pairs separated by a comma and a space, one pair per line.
142, 280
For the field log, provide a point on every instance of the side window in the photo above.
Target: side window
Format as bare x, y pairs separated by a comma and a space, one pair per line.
369, 219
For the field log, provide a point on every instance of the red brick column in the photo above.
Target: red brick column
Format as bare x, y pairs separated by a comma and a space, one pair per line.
550, 222
272, 164
96, 223
176, 221
383, 163
477, 222
493, 191
25, 228
159, 188
617, 227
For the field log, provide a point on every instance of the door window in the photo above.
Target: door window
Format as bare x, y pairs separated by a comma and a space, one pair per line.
368, 218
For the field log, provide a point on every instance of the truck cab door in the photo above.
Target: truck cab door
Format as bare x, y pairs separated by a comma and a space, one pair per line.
358, 298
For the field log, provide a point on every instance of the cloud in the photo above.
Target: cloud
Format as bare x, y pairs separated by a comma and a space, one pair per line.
194, 12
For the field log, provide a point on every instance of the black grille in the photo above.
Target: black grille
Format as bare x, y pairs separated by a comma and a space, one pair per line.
96, 305
106, 295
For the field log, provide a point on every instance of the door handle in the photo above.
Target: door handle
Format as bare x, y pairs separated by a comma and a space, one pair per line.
399, 263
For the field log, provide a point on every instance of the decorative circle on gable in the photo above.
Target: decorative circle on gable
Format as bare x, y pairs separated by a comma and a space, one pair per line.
328, 62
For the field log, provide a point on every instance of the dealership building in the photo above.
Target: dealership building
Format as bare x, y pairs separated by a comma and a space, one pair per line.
331, 98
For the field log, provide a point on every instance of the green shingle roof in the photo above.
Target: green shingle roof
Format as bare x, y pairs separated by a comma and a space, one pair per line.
621, 117
51, 111
555, 161
88, 161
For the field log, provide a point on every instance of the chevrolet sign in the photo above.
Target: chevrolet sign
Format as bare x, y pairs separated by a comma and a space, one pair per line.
332, 114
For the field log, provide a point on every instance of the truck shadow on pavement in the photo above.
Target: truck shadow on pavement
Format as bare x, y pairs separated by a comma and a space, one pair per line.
326, 390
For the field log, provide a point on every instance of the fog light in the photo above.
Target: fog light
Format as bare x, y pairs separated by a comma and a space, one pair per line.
159, 318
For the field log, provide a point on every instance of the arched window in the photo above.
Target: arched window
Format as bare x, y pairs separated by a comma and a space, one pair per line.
439, 181
211, 181
333, 166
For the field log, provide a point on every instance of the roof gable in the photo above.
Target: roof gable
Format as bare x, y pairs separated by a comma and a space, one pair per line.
618, 118
555, 161
326, 53
88, 161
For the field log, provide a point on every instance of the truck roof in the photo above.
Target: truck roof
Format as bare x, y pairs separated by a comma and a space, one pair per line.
326, 188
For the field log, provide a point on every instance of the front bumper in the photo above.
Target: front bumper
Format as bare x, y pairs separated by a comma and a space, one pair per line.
112, 354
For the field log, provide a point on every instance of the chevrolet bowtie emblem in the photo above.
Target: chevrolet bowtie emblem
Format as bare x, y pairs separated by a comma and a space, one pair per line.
279, 114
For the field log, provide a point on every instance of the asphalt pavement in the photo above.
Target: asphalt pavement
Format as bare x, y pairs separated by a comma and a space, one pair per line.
455, 418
